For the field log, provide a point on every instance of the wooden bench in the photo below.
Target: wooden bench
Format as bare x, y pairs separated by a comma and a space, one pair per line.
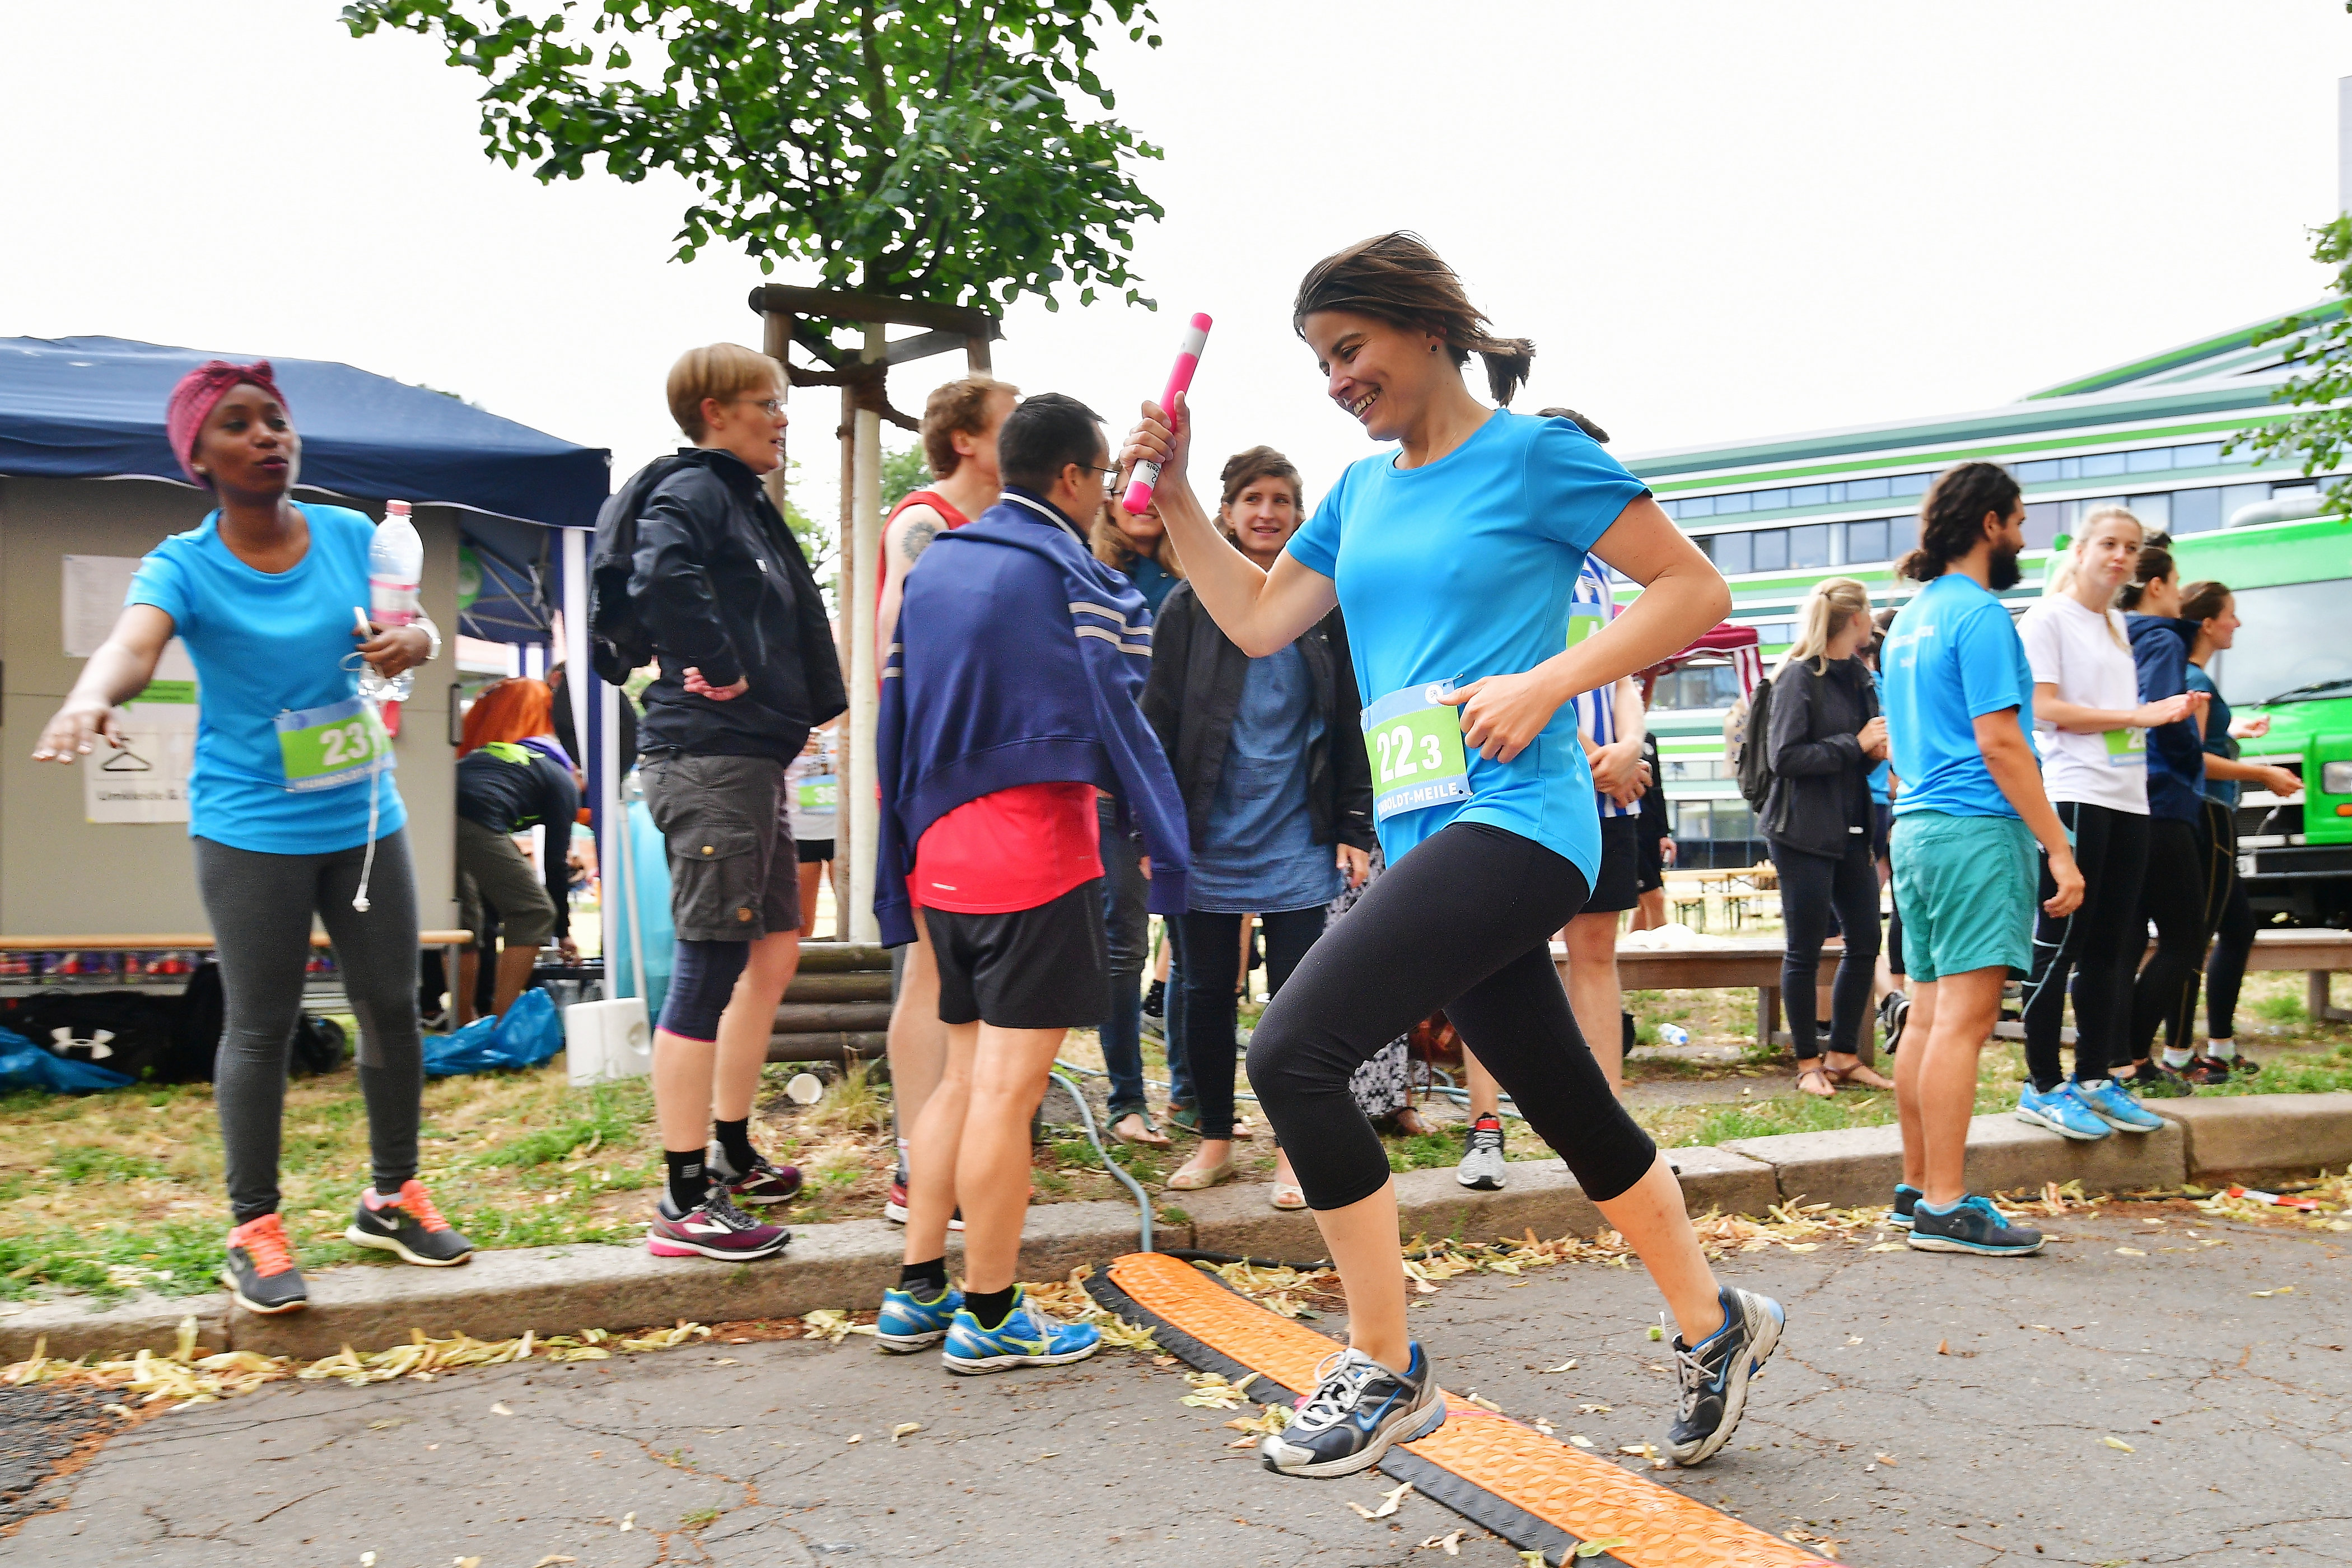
1728, 965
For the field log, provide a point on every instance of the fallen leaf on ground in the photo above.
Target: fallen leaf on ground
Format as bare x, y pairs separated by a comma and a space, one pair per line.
1392, 1501
1891, 1246
1564, 1366
1887, 1459
1579, 1439
2131, 1252
1646, 1450
905, 1429
500, 1409
1360, 1509
466, 1563
726, 1361
552, 1559
2281, 1290
2119, 1443
629, 1520
854, 1437
1484, 1403
1451, 1542
1594, 1548
1593, 1409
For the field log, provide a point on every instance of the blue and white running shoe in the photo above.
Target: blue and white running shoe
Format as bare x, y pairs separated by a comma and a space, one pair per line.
2114, 1105
1358, 1409
1907, 1198
1714, 1373
2061, 1110
908, 1323
1026, 1338
1972, 1225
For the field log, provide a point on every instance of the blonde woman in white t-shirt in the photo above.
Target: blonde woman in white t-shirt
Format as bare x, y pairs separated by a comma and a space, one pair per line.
2091, 729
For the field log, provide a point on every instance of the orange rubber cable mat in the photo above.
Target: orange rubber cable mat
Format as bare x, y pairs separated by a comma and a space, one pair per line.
1533, 1491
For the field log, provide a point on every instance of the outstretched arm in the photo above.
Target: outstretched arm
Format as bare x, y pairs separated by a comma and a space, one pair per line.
1263, 612
118, 671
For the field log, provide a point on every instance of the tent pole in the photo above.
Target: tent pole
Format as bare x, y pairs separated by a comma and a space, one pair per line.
862, 808
578, 679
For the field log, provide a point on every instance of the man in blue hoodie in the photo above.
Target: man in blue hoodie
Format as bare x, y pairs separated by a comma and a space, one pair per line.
1009, 698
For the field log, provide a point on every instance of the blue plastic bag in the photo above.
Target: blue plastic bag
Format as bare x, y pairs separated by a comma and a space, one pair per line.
23, 1064
529, 1034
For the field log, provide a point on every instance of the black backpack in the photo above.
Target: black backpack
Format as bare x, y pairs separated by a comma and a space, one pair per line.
1753, 759
618, 642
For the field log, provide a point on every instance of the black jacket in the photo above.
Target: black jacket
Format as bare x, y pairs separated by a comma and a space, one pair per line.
720, 581
1195, 690
1821, 780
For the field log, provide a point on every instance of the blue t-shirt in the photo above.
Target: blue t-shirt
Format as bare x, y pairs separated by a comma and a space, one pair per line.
1463, 568
1951, 656
1258, 855
2217, 739
264, 643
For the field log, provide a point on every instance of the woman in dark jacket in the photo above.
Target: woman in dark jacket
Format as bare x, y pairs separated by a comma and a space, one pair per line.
1825, 735
2174, 891
1277, 794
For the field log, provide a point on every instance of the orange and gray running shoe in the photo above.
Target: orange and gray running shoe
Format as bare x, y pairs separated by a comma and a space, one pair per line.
408, 1227
259, 1271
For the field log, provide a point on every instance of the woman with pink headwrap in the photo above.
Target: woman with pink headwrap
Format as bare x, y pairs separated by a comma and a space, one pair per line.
291, 806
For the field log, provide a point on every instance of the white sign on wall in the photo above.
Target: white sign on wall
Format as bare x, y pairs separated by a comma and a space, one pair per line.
145, 779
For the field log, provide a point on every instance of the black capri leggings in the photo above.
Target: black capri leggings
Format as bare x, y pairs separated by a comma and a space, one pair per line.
1464, 923
2175, 897
2233, 919
2100, 942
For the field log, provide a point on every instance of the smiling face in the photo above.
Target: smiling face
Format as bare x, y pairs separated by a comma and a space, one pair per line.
750, 424
247, 447
1384, 375
1143, 530
1261, 518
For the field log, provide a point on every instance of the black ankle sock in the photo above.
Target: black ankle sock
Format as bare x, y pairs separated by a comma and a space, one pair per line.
926, 1280
735, 1143
991, 1306
688, 1183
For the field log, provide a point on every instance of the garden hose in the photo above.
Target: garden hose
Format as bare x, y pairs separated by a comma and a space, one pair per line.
1143, 1237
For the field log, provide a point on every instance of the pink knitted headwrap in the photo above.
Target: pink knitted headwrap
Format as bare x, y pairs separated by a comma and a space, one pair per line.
192, 400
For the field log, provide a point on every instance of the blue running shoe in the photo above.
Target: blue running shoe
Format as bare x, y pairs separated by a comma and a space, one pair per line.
1907, 1198
1026, 1338
1972, 1225
908, 1323
2061, 1110
1714, 1374
2114, 1105
1358, 1409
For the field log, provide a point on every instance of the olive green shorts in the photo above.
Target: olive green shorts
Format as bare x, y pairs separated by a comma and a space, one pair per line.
733, 873
493, 869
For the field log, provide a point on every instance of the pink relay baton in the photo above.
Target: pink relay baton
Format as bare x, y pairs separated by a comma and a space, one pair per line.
1180, 379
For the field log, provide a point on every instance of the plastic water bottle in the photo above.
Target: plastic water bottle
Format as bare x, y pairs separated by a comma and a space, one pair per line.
395, 571
1673, 1034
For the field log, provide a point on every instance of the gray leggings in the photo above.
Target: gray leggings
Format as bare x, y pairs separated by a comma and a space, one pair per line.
261, 906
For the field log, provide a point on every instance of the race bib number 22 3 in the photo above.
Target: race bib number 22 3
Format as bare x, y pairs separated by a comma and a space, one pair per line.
1414, 743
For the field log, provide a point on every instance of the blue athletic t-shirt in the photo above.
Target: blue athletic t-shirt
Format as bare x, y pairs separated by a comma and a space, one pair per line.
1464, 568
263, 643
1951, 656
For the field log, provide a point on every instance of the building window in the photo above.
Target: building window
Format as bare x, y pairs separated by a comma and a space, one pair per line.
2196, 512
1866, 541
1771, 549
2147, 460
1695, 686
1809, 546
1733, 552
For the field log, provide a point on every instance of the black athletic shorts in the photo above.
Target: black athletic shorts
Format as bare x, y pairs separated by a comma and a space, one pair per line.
1042, 968
1649, 860
814, 851
1617, 887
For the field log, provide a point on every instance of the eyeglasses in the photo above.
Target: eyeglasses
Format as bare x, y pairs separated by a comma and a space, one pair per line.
772, 404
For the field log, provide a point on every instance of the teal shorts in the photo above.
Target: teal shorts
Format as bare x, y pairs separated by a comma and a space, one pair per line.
1964, 887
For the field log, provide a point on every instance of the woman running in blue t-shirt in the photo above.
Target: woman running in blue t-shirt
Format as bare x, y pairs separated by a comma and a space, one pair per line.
1453, 560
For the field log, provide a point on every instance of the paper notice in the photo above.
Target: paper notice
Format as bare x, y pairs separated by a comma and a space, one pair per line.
146, 779
94, 587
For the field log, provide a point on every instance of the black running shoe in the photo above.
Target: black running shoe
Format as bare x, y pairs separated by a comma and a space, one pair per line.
764, 1183
259, 1270
1155, 1011
2205, 1070
1907, 1198
1358, 1408
408, 1227
1972, 1225
2152, 1079
1715, 1375
1894, 1017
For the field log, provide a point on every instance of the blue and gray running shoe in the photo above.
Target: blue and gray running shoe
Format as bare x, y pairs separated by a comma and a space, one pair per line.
1972, 1225
1358, 1409
2114, 1104
1026, 1338
2061, 1110
908, 1323
1907, 1198
1715, 1375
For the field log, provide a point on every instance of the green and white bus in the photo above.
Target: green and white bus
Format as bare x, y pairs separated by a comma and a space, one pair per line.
1778, 515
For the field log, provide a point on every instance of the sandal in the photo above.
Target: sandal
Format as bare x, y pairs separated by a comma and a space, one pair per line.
1148, 1135
1860, 1074
1828, 1089
1187, 1119
1194, 1178
1287, 1195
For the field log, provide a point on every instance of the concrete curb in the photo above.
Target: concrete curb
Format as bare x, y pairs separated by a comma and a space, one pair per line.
563, 1289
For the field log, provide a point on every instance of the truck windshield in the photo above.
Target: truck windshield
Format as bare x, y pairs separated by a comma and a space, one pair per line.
2293, 636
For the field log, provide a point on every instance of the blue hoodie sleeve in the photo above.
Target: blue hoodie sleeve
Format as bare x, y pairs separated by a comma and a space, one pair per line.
2162, 659
1114, 634
894, 857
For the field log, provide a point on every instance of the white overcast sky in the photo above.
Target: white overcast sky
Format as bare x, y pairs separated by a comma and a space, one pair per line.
1716, 219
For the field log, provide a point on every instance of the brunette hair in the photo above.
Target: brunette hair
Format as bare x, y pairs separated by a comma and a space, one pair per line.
721, 370
2156, 564
1952, 514
1243, 470
959, 406
511, 710
2201, 602
1600, 436
1113, 549
1398, 278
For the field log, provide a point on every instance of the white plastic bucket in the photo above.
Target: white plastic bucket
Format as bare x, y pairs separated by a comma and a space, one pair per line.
607, 1040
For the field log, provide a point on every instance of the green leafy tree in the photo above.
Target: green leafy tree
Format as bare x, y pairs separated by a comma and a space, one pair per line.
2319, 343
903, 473
947, 150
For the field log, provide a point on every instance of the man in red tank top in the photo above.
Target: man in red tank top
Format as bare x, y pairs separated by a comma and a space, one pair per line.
959, 423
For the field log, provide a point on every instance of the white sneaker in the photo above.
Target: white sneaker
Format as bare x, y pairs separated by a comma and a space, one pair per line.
1482, 1163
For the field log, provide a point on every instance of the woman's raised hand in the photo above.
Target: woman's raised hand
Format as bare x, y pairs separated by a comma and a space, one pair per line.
1160, 436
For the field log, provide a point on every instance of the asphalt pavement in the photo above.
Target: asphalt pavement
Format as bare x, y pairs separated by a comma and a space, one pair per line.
2126, 1397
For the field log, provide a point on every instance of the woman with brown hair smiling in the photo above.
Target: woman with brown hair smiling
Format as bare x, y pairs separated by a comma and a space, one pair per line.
1454, 559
